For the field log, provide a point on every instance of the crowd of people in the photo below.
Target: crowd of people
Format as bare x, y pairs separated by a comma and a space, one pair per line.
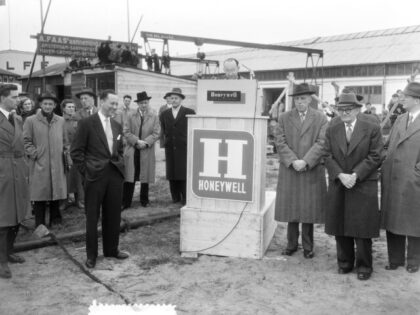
92, 158
351, 148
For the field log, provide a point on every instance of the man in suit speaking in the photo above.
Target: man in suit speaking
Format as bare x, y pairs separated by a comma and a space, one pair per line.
97, 152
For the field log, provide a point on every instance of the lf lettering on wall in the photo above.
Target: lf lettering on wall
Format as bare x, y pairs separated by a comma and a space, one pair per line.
223, 164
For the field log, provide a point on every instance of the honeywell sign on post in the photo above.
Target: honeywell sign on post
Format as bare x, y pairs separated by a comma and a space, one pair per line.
223, 164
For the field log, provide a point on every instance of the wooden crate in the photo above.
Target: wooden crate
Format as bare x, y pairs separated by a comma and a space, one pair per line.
204, 227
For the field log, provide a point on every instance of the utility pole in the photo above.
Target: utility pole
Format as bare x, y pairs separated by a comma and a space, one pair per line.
128, 21
10, 37
43, 56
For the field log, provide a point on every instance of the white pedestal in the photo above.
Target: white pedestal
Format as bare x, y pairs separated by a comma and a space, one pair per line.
203, 228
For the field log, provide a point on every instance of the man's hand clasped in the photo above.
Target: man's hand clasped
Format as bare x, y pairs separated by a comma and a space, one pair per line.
141, 144
299, 165
348, 180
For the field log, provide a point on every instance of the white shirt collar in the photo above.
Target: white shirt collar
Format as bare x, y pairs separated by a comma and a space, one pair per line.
415, 114
176, 109
5, 113
102, 116
352, 124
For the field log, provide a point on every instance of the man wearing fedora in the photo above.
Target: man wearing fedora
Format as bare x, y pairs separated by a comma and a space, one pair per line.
14, 188
353, 154
301, 188
122, 114
401, 185
87, 99
45, 143
97, 152
141, 131
168, 105
174, 124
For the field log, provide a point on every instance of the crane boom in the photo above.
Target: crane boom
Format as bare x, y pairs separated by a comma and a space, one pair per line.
202, 40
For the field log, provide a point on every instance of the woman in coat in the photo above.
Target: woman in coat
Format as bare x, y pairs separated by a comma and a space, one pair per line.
74, 180
45, 143
26, 108
141, 131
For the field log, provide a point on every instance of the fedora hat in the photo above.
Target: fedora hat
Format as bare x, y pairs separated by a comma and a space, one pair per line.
142, 96
175, 91
412, 89
346, 99
86, 90
48, 96
302, 89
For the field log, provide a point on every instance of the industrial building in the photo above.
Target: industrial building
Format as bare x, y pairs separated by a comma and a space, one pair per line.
374, 64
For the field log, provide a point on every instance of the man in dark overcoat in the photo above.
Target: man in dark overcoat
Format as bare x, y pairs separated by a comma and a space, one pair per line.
14, 179
401, 185
174, 124
302, 187
354, 148
97, 152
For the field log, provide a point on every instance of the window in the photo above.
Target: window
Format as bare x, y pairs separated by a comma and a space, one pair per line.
370, 93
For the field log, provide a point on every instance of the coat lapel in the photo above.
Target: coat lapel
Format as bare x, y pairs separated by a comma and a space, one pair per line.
307, 122
180, 113
356, 136
412, 129
115, 135
18, 130
340, 135
100, 130
295, 118
5, 125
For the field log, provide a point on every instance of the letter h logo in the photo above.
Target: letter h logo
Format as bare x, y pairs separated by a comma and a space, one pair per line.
234, 158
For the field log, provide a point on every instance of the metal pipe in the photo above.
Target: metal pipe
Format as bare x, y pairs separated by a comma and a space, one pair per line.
79, 235
201, 40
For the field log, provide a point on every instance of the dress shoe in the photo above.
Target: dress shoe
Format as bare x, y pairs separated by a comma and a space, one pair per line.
308, 254
412, 268
144, 203
343, 271
289, 252
120, 255
90, 263
80, 205
5, 271
393, 266
363, 275
15, 259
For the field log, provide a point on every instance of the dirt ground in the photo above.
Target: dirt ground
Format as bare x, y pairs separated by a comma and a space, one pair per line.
48, 283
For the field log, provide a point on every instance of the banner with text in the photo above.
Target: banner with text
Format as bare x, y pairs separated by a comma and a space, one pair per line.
66, 46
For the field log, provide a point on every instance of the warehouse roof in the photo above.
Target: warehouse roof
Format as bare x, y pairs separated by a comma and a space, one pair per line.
373, 47
5, 72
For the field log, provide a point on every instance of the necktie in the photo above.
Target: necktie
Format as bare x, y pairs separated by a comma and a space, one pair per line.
11, 119
108, 133
302, 117
349, 131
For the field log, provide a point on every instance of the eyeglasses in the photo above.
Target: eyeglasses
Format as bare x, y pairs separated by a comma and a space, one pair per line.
346, 110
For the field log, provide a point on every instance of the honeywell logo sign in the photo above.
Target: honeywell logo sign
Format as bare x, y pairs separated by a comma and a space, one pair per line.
223, 164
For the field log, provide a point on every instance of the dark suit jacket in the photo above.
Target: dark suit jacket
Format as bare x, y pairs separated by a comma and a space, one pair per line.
353, 212
90, 152
175, 132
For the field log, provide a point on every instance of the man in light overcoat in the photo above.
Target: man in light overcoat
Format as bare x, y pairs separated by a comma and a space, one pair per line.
301, 188
14, 178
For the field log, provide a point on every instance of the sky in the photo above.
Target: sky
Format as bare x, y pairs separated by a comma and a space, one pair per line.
260, 21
